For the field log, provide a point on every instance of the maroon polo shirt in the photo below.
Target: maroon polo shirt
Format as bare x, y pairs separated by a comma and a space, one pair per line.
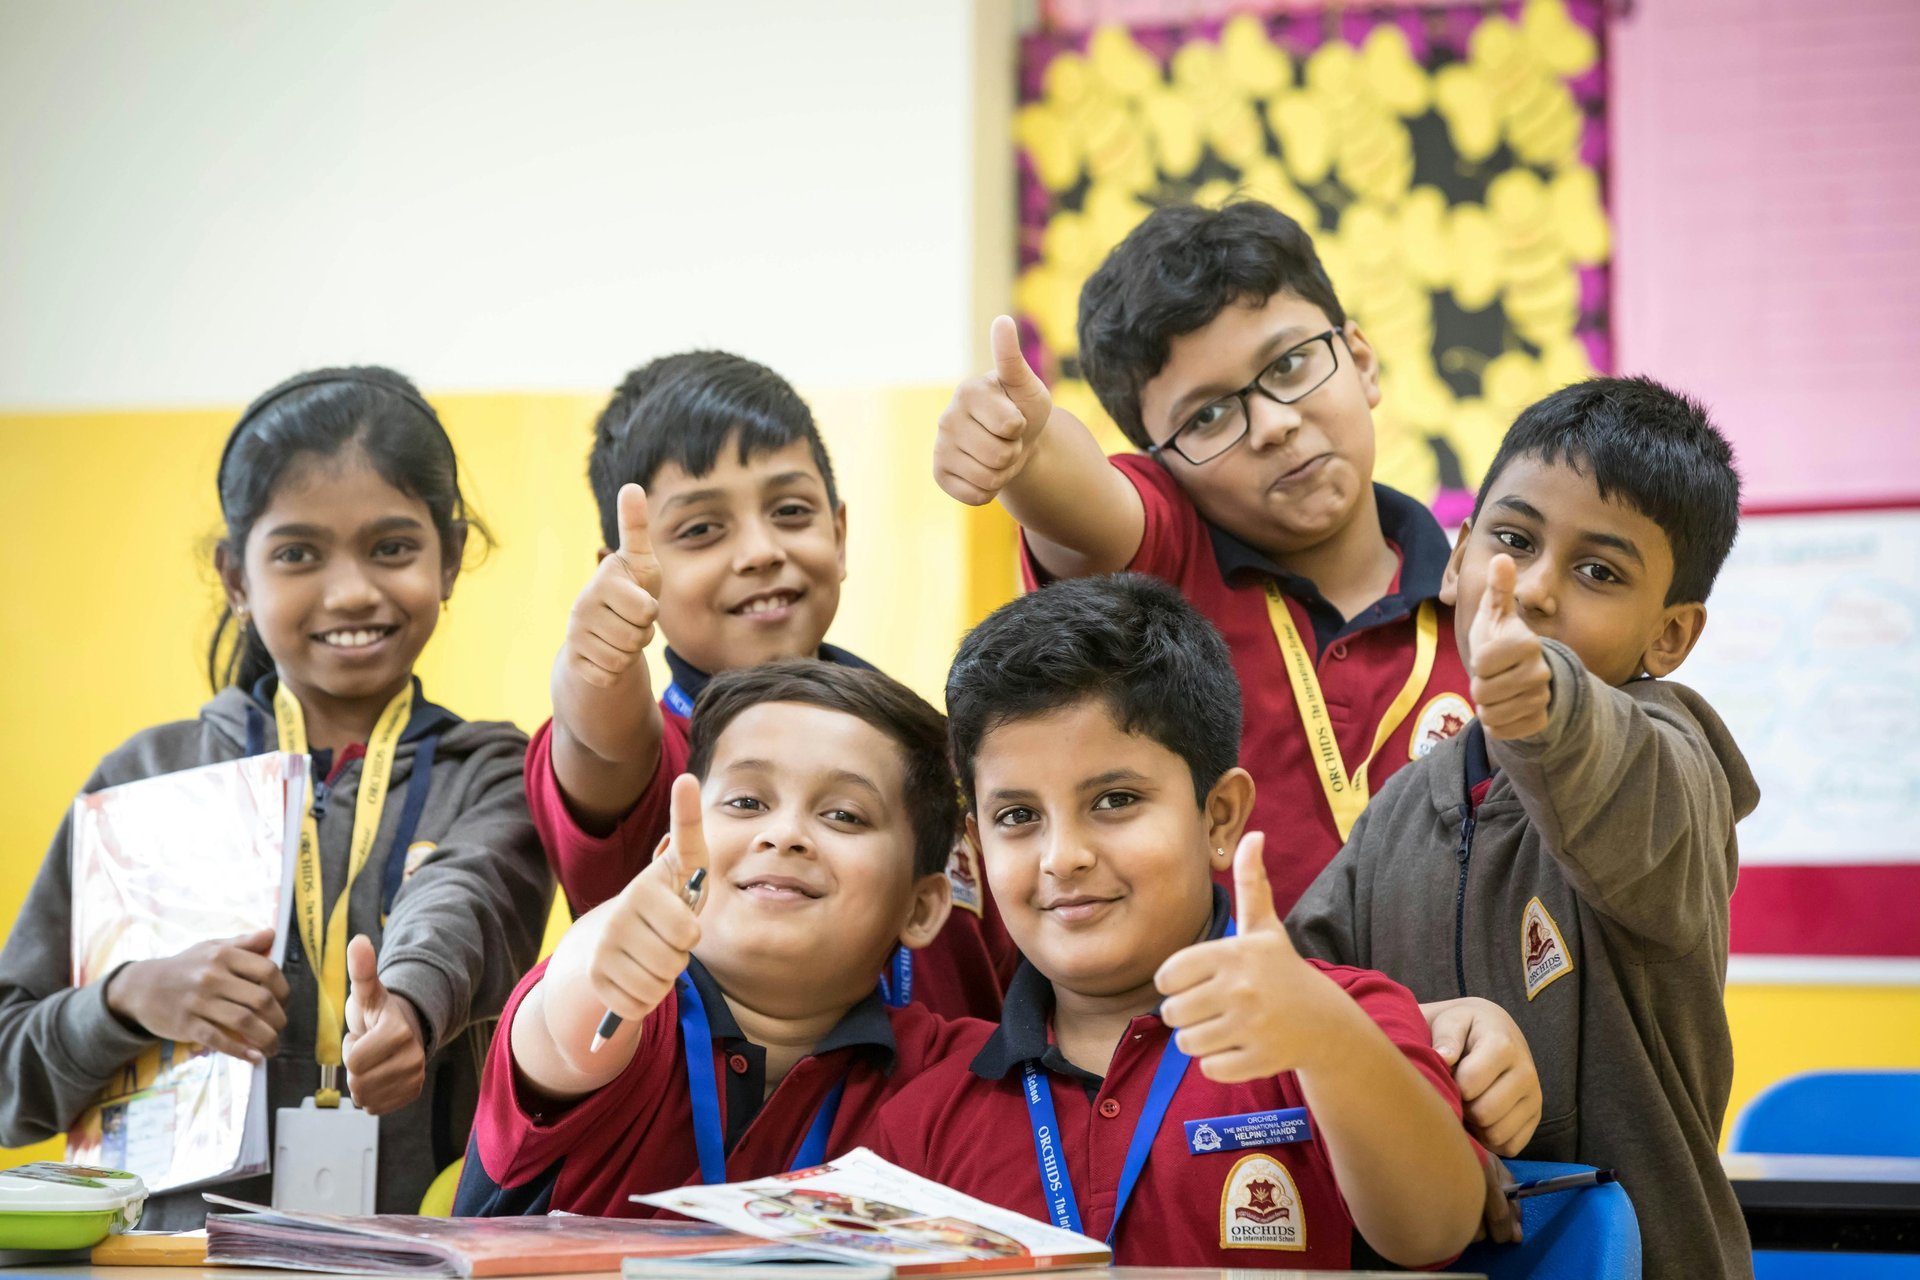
635, 1135
964, 1122
1362, 662
959, 975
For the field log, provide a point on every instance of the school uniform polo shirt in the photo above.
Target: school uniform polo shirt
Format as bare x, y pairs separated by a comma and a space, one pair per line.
635, 1135
959, 975
1362, 663
964, 1122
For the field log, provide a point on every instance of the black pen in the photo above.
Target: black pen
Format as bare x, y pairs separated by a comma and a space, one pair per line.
610, 1023
1566, 1182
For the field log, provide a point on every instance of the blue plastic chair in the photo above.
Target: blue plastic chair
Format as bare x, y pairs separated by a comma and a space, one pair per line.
1587, 1234
1833, 1113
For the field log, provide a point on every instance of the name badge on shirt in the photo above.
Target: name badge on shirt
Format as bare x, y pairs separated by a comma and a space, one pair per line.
1254, 1129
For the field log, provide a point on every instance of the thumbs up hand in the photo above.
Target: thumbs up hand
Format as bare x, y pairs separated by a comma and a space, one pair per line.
1512, 684
613, 617
993, 424
628, 952
1248, 1006
385, 1051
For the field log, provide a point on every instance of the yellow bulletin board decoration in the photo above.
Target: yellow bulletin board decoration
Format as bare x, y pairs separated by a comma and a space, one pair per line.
1448, 160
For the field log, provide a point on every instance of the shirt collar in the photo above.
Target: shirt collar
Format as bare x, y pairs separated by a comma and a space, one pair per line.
690, 680
1405, 523
866, 1026
1026, 1012
426, 717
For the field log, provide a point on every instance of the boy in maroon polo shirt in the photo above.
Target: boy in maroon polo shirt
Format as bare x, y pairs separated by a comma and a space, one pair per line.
752, 1039
1094, 724
1216, 341
736, 547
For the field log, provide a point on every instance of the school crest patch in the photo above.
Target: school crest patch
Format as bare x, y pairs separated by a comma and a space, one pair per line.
1440, 719
1544, 958
963, 878
419, 853
1260, 1207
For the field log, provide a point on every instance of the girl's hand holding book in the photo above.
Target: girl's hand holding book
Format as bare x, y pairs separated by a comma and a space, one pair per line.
224, 993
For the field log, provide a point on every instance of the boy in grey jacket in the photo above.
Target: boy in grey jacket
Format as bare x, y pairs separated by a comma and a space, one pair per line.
1571, 855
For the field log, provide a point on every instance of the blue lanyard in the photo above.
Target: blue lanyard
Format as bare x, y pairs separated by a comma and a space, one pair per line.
896, 986
1056, 1184
703, 1090
678, 702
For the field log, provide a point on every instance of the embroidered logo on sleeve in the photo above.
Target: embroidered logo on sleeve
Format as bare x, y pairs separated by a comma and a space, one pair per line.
1544, 958
963, 877
1260, 1207
419, 853
1440, 719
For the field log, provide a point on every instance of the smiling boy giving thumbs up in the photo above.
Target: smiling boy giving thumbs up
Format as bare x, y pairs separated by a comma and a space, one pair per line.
1166, 1074
1571, 855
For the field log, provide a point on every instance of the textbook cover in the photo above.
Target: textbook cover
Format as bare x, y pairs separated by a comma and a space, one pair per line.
859, 1216
159, 865
394, 1244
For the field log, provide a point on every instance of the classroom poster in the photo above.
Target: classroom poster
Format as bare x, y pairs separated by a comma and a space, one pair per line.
1812, 657
1450, 161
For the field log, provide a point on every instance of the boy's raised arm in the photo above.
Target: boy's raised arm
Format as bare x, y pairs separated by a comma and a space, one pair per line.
622, 957
1248, 1006
606, 724
1001, 437
1628, 792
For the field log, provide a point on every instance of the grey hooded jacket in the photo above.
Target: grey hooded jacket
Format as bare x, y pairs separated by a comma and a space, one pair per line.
1617, 820
461, 932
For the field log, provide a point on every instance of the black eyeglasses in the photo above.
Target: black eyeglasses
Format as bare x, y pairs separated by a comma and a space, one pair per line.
1295, 374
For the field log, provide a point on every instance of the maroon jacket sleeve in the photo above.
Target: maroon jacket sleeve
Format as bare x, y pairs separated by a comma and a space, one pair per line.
595, 868
1168, 536
519, 1135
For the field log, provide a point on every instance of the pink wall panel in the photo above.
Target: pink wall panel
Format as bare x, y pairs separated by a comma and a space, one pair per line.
1766, 191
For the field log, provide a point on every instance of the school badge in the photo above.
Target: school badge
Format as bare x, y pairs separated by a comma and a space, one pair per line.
1544, 958
1440, 719
1260, 1207
419, 853
1205, 1139
963, 878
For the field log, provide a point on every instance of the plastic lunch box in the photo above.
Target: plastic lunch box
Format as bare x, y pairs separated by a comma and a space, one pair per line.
66, 1206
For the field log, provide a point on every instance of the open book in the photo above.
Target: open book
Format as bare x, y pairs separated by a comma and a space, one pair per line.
859, 1216
159, 865
403, 1245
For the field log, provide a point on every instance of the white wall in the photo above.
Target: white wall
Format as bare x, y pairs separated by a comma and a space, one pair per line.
197, 199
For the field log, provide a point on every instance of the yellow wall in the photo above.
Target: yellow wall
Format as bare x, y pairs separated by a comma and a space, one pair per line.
109, 599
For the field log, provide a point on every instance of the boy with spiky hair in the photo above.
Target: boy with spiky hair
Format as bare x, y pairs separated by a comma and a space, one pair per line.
724, 528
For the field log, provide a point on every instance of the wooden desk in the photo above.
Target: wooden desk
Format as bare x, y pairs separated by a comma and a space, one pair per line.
1845, 1204
1114, 1273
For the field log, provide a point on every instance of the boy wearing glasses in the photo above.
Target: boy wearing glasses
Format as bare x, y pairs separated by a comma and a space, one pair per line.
1214, 338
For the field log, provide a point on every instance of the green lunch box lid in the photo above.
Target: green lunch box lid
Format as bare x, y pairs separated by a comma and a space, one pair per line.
50, 1187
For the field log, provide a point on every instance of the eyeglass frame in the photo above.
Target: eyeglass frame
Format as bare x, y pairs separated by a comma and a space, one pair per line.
1244, 396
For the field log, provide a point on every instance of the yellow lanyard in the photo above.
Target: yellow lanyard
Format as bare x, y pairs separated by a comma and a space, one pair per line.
328, 955
1346, 792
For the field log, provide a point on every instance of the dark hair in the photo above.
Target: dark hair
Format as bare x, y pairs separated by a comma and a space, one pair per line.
867, 696
683, 409
321, 414
1129, 640
1173, 274
1648, 446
